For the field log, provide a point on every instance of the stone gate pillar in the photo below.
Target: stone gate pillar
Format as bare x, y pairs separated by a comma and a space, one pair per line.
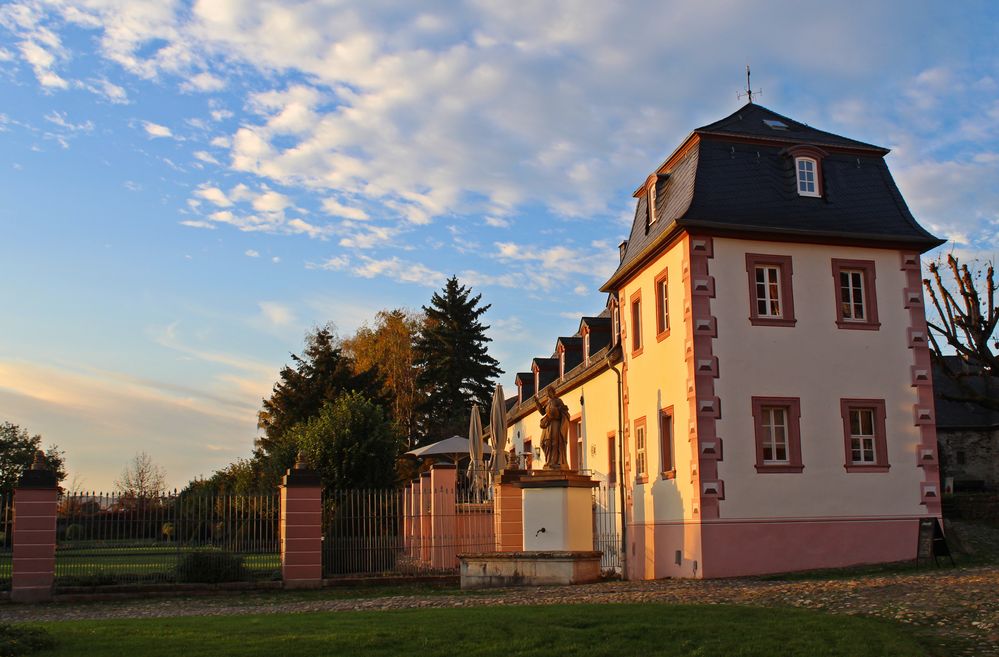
34, 534
301, 527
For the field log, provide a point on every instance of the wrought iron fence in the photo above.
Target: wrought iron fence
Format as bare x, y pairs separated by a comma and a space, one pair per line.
607, 527
6, 546
393, 532
124, 539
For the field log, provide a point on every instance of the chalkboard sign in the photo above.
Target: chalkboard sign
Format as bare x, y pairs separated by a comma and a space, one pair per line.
931, 542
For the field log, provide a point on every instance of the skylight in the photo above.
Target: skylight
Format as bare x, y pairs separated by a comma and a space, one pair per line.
775, 124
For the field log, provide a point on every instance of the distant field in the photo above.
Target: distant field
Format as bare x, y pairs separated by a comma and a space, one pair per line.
590, 630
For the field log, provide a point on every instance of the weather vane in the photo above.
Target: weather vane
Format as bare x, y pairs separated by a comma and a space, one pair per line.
749, 89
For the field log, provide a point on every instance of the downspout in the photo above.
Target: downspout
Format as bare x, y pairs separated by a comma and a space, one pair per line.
620, 468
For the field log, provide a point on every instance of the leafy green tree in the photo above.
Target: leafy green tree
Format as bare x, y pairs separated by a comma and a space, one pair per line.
17, 453
319, 375
454, 366
351, 443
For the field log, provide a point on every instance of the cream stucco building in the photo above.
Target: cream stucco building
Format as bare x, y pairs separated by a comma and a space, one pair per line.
757, 391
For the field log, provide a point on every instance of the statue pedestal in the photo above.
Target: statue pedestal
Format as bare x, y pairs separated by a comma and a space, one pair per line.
557, 527
558, 511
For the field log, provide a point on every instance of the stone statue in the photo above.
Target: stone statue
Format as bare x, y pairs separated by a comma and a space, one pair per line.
554, 430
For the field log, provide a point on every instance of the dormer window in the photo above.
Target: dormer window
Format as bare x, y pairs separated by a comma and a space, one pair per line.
652, 202
586, 349
807, 168
561, 364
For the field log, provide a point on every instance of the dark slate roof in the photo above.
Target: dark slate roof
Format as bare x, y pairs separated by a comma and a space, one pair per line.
574, 343
748, 121
724, 184
599, 324
957, 414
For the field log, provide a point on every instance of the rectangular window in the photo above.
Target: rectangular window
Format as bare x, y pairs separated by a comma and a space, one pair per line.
864, 437
856, 301
641, 462
586, 349
636, 323
615, 323
528, 454
667, 468
777, 424
768, 291
771, 299
662, 305
576, 444
611, 457
775, 435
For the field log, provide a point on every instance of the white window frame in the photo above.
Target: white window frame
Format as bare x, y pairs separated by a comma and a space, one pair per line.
652, 203
862, 443
855, 295
641, 465
803, 167
662, 294
771, 291
770, 441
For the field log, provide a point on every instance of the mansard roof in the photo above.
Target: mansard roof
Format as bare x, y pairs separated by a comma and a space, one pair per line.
735, 176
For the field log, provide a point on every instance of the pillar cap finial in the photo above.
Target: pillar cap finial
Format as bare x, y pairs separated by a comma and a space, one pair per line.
39, 462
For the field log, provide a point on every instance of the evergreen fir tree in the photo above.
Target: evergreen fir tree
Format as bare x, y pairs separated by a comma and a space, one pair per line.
318, 376
455, 369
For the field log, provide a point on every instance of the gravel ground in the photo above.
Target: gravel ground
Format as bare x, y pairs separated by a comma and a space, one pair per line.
958, 607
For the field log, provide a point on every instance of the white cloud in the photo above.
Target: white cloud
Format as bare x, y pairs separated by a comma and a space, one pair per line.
203, 82
106, 89
59, 119
221, 142
206, 157
335, 263
214, 195
276, 314
334, 208
251, 253
368, 237
155, 130
398, 270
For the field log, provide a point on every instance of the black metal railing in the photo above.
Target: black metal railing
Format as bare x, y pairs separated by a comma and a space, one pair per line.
127, 539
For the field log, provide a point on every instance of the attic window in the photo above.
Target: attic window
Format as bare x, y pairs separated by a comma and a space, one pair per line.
774, 124
807, 170
652, 202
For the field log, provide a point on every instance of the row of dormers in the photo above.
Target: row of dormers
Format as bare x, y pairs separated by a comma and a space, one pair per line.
572, 355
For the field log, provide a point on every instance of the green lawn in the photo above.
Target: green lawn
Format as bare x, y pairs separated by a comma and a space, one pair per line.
591, 630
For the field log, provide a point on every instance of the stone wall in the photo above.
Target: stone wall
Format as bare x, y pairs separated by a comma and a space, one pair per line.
970, 456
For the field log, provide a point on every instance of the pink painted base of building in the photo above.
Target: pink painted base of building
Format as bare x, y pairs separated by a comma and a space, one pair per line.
737, 548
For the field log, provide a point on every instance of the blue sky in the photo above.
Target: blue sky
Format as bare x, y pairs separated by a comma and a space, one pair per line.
186, 188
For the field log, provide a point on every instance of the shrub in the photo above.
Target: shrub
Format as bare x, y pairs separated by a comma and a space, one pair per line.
210, 565
19, 640
74, 532
168, 530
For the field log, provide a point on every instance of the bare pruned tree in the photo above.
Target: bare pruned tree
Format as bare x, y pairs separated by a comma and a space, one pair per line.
964, 300
141, 478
